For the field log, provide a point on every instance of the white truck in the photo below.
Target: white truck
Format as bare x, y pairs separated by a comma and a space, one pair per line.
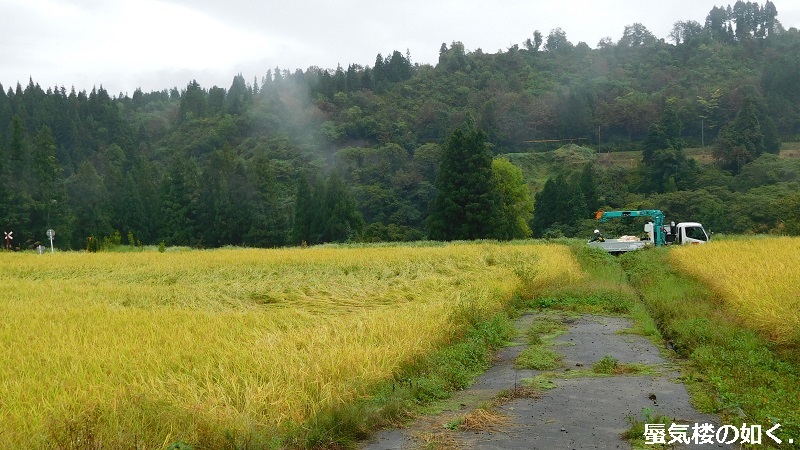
658, 233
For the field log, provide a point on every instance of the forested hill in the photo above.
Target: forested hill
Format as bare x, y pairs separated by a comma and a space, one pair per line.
330, 155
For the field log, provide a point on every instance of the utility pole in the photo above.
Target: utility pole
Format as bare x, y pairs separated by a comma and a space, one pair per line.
598, 139
702, 133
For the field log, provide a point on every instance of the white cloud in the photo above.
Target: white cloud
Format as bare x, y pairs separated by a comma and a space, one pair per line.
96, 46
158, 44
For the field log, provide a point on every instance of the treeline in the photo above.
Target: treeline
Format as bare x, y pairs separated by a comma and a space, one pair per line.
321, 155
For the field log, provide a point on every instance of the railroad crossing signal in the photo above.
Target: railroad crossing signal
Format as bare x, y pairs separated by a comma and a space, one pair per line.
9, 237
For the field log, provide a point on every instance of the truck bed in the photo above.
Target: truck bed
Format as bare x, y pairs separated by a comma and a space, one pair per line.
617, 246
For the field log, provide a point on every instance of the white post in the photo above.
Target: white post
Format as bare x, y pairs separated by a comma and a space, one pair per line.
51, 233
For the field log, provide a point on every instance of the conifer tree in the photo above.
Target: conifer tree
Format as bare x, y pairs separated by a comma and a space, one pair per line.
343, 220
17, 148
89, 203
465, 206
549, 205
325, 213
239, 96
741, 141
664, 163
303, 213
193, 102
179, 202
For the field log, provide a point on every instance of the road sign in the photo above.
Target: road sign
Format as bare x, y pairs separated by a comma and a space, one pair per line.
9, 237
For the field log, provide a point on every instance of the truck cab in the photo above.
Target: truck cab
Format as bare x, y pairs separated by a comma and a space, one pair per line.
682, 233
690, 233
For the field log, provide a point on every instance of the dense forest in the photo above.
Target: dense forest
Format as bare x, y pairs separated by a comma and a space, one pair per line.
361, 153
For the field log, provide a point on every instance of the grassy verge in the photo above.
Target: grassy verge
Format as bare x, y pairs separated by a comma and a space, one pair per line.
730, 370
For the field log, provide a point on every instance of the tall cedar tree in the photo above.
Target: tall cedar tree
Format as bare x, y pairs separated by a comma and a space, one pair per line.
664, 163
325, 213
563, 203
343, 221
305, 210
180, 202
550, 206
465, 207
742, 141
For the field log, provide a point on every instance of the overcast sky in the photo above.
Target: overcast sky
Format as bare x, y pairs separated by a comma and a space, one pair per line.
158, 44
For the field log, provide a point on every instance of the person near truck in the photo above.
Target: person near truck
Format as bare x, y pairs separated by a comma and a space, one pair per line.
597, 237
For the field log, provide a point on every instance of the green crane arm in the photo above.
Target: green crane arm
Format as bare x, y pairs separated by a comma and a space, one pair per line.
655, 214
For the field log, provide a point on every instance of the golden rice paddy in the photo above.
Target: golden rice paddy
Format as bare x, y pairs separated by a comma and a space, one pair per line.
145, 349
758, 279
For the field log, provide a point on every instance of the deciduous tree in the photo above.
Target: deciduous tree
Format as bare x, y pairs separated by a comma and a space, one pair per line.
515, 202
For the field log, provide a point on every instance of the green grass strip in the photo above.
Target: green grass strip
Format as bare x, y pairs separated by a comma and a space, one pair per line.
731, 370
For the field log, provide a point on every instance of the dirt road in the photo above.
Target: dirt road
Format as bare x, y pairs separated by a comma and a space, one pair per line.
571, 407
